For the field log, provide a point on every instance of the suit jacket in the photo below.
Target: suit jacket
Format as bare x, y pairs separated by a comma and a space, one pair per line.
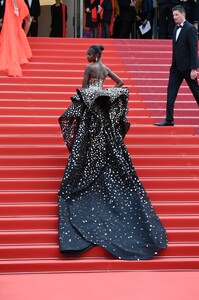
87, 4
185, 49
127, 13
34, 9
107, 4
2, 10
107, 12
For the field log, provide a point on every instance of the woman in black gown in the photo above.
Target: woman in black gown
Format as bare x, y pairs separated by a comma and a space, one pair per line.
101, 199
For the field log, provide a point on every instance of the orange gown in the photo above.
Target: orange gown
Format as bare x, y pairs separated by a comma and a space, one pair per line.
14, 46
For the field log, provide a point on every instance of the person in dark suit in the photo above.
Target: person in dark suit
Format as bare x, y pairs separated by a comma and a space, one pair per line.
2, 11
92, 17
35, 10
184, 62
105, 9
166, 23
58, 19
127, 17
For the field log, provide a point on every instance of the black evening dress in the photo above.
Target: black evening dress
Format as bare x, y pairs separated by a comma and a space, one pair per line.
101, 200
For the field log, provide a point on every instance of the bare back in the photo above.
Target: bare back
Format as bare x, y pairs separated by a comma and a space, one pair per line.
99, 71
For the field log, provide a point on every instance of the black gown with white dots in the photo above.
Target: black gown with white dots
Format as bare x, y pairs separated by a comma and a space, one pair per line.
101, 200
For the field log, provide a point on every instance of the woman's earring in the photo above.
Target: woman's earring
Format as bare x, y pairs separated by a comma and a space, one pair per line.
96, 59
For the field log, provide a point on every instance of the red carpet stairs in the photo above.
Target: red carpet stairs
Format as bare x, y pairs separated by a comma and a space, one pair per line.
33, 155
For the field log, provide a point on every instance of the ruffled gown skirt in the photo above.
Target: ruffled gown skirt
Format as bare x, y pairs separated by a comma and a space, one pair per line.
101, 199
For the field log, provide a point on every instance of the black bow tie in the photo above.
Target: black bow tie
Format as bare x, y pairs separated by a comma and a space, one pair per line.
179, 26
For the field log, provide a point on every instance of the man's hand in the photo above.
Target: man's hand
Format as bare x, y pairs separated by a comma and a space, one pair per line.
193, 74
133, 3
99, 9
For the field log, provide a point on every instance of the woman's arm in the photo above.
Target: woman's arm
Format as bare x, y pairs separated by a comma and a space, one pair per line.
27, 23
115, 78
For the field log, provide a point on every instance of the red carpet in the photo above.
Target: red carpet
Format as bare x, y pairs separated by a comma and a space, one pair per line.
33, 155
107, 286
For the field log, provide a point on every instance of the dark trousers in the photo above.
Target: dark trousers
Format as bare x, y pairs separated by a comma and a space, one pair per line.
125, 29
105, 30
175, 80
33, 28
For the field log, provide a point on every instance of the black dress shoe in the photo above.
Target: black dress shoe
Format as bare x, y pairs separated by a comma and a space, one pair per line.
165, 123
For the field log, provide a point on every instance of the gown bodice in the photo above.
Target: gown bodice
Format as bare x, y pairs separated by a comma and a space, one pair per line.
95, 83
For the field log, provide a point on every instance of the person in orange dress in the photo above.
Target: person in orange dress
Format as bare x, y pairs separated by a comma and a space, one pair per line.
14, 46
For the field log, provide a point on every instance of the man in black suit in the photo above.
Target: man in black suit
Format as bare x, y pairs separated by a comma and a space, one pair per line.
105, 10
2, 11
184, 62
34, 9
127, 17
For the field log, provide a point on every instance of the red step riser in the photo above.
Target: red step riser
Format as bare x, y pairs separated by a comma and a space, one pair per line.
133, 66
51, 196
70, 72
60, 161
166, 161
162, 151
53, 266
56, 111
53, 120
179, 113
28, 196
106, 59
32, 173
51, 237
168, 172
32, 104
70, 85
129, 45
19, 129
46, 251
179, 105
50, 66
181, 120
160, 89
52, 251
157, 96
37, 84
135, 150
14, 173
29, 237
72, 51
50, 223
149, 183
32, 150
38, 95
39, 209
27, 139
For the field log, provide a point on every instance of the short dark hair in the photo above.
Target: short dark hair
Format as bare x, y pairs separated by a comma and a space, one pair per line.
180, 8
97, 49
